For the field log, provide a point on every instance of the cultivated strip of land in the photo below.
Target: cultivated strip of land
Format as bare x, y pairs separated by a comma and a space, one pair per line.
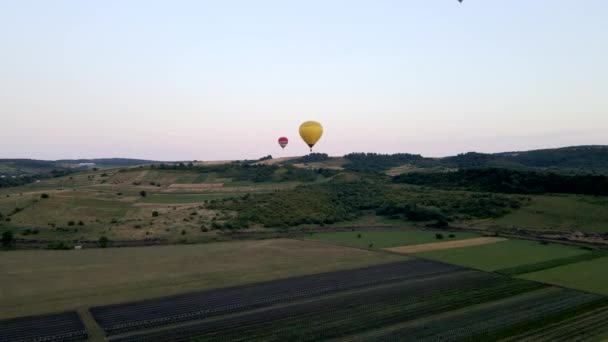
435, 246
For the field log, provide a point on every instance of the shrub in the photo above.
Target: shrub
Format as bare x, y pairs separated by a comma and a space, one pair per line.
71, 223
80, 223
154, 213
58, 245
183, 232
44, 195
7, 239
438, 236
143, 193
452, 236
103, 242
358, 236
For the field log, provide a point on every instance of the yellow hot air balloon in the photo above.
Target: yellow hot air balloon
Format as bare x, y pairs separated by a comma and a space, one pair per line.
311, 132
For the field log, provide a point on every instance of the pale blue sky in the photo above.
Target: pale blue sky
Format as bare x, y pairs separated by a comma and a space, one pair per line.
224, 79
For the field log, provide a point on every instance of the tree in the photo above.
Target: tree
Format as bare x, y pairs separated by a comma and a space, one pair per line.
439, 236
103, 242
154, 213
143, 193
7, 239
44, 196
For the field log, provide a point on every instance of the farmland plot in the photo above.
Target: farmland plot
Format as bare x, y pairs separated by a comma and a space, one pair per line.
54, 327
157, 312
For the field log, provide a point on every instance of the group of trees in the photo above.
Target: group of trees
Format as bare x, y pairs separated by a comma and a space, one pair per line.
262, 173
374, 162
338, 201
9, 181
502, 180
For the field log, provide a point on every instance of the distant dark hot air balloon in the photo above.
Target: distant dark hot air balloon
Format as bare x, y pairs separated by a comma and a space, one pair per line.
283, 142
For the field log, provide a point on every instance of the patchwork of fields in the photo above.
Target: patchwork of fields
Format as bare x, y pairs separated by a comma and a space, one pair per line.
415, 299
271, 290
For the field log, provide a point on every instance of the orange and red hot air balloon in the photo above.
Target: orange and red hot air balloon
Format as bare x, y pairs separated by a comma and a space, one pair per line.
283, 142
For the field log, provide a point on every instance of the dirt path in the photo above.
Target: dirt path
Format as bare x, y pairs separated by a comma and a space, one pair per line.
435, 246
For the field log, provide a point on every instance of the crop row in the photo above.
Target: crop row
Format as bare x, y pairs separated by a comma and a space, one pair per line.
65, 326
586, 321
351, 313
157, 312
480, 320
543, 265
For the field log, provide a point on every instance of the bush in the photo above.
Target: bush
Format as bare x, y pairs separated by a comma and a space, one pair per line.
358, 236
183, 232
80, 223
438, 236
452, 236
154, 213
143, 193
71, 223
7, 239
44, 195
58, 245
103, 242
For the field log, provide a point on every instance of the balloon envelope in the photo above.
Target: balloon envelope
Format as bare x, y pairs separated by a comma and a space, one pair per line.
311, 132
283, 142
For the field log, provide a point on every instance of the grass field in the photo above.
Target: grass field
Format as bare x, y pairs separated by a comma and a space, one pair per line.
506, 254
49, 281
570, 213
383, 239
586, 276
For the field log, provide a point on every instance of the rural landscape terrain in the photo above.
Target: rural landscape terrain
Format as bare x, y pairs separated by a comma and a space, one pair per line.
506, 246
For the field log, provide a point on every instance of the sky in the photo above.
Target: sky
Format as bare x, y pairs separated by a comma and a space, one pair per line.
218, 80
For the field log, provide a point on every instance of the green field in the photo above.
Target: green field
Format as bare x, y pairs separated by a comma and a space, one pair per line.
560, 212
40, 281
500, 255
383, 239
586, 276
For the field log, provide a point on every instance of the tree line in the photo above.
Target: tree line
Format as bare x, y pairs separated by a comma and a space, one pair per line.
503, 180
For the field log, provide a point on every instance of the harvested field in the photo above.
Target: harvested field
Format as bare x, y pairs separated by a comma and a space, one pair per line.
436, 246
43, 281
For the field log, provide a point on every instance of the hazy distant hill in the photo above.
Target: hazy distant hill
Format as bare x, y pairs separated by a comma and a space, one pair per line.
17, 167
109, 162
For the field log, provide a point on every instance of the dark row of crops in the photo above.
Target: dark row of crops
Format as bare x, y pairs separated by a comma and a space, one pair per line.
479, 320
65, 326
353, 312
126, 317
